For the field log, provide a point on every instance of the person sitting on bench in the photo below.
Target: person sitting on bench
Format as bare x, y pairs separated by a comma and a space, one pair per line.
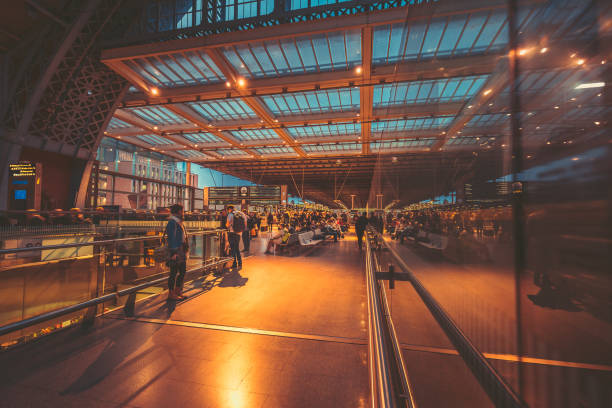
281, 237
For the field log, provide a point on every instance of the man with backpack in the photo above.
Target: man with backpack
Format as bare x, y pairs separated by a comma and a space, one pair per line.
236, 225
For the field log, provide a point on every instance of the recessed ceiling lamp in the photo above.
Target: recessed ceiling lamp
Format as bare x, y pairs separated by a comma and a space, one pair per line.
154, 91
358, 70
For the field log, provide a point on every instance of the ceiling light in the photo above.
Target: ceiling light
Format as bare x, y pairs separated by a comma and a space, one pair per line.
488, 91
557, 107
228, 84
597, 123
575, 159
573, 55
470, 107
241, 82
275, 120
523, 51
589, 85
543, 50
603, 62
155, 128
154, 91
358, 70
580, 61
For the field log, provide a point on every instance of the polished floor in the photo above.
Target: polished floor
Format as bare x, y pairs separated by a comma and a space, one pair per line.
285, 331
281, 332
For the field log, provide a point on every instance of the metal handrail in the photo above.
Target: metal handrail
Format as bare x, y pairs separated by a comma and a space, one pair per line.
82, 244
383, 388
404, 382
500, 393
22, 324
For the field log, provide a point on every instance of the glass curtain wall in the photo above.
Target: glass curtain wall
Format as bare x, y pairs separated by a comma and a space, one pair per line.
508, 223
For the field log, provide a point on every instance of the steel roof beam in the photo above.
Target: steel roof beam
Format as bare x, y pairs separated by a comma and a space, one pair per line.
400, 72
366, 94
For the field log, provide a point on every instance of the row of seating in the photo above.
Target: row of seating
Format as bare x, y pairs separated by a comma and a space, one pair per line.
430, 240
304, 239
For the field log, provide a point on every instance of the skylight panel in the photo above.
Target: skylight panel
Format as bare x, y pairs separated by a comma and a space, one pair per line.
432, 38
202, 137
470, 34
254, 134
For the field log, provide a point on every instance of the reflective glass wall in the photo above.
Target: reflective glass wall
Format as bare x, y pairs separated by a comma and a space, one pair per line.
506, 218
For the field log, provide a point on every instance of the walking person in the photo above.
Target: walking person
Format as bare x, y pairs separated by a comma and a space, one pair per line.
236, 225
178, 248
360, 226
246, 235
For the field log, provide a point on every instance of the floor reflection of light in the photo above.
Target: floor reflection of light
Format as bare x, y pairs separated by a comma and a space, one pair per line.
232, 373
237, 399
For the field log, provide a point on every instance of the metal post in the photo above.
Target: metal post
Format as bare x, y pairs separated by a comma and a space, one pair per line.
518, 216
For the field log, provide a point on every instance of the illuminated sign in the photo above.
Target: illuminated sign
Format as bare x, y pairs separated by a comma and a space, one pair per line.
22, 169
24, 186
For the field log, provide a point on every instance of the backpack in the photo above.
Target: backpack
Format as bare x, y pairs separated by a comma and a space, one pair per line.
238, 224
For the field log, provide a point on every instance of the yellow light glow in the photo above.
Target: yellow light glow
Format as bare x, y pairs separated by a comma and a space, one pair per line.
228, 84
573, 55
488, 91
580, 61
523, 51
597, 123
155, 128
358, 70
154, 91
241, 82
543, 50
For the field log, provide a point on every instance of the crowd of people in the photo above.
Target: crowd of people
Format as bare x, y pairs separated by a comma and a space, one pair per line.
454, 221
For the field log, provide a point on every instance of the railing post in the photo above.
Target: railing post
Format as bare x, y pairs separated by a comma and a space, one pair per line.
97, 274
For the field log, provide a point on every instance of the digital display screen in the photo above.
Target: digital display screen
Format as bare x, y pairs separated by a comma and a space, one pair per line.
21, 194
20, 181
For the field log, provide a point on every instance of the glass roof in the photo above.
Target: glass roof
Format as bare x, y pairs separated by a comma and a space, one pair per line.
307, 103
401, 144
487, 120
276, 151
282, 54
332, 148
340, 129
154, 140
406, 125
202, 137
232, 152
157, 115
469, 140
298, 55
118, 124
177, 69
430, 91
192, 154
254, 134
223, 110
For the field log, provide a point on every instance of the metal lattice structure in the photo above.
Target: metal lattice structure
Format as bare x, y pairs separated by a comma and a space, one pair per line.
66, 98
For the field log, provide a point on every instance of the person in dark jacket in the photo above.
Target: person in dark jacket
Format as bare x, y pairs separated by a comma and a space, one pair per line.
178, 249
360, 226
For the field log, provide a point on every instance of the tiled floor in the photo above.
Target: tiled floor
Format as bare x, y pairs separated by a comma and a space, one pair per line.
136, 363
